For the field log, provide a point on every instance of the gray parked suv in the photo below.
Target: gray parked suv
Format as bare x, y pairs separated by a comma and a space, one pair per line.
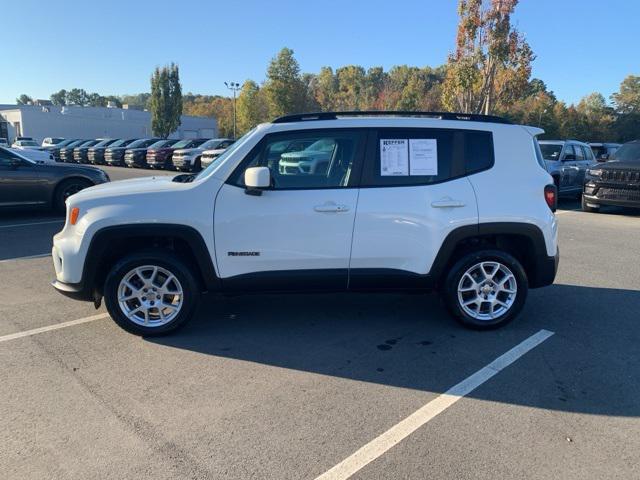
567, 162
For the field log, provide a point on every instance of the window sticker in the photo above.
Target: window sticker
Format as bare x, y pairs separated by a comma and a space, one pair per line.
423, 154
394, 157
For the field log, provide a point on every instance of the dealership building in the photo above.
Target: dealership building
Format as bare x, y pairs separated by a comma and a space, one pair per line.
41, 121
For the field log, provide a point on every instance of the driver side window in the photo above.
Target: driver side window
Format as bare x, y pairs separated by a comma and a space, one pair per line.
307, 160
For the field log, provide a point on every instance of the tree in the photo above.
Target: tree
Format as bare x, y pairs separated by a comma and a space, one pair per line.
166, 100
252, 107
492, 62
77, 96
59, 98
326, 89
627, 100
284, 89
24, 100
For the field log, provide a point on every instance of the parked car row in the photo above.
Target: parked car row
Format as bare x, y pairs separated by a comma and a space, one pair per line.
190, 155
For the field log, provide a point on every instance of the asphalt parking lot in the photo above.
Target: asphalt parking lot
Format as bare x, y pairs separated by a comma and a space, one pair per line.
298, 387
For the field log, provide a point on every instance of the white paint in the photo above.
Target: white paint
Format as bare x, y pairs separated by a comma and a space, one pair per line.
49, 328
28, 257
381, 444
48, 222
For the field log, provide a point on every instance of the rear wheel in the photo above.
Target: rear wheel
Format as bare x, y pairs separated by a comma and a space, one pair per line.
486, 289
66, 189
151, 293
588, 208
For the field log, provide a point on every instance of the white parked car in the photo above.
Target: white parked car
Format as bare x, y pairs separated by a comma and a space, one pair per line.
458, 203
26, 145
37, 155
190, 159
208, 156
51, 141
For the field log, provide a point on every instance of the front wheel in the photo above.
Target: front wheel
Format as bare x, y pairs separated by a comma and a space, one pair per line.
151, 293
486, 289
65, 190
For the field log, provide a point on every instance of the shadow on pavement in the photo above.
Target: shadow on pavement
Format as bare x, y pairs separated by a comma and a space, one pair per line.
409, 341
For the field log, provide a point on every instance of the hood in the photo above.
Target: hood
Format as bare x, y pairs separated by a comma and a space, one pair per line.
134, 186
116, 149
618, 165
133, 150
186, 151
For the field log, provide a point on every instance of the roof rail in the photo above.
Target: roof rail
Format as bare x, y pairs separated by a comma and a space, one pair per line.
473, 117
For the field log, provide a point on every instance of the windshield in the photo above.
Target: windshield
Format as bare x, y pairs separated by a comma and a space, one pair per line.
629, 152
90, 143
161, 144
143, 142
27, 143
183, 143
104, 143
229, 151
551, 151
122, 143
211, 144
76, 143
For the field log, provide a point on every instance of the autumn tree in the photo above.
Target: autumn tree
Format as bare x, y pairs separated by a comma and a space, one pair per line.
284, 89
252, 106
492, 61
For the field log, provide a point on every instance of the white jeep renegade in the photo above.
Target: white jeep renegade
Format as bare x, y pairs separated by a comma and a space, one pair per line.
404, 202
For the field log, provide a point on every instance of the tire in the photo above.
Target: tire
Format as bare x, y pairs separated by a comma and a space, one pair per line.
179, 308
197, 165
587, 208
65, 190
484, 315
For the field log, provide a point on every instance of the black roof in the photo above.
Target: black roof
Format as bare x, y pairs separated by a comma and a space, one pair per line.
472, 117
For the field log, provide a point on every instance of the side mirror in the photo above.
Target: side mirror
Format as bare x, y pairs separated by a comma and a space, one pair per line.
257, 179
604, 157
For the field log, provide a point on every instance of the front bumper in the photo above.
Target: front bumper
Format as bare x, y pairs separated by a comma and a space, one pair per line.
76, 291
602, 193
137, 161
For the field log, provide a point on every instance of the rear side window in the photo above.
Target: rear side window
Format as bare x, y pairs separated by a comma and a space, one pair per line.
425, 156
579, 153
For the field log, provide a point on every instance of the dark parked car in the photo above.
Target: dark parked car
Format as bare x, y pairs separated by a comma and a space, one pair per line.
567, 162
604, 151
24, 182
80, 152
114, 155
92, 152
95, 154
162, 157
137, 156
616, 182
66, 153
55, 149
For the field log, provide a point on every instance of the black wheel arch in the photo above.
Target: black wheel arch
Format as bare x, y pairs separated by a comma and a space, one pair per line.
524, 241
109, 244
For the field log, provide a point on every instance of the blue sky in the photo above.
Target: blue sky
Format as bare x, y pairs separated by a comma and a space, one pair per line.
111, 47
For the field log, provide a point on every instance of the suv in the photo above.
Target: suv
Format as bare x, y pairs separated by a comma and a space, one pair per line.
188, 159
604, 151
408, 201
209, 155
567, 162
616, 182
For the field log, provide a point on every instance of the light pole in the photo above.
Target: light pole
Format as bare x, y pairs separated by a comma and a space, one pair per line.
234, 87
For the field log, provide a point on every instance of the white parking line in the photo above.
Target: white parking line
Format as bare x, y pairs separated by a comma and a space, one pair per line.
379, 445
32, 223
57, 326
40, 255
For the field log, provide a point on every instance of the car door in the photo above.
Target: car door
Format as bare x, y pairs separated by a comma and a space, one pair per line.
297, 234
20, 181
568, 169
414, 193
584, 158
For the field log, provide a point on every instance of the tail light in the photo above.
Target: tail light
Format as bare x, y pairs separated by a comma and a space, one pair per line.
551, 197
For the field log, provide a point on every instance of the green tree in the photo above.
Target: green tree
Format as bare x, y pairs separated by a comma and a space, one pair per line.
59, 98
492, 62
24, 100
326, 89
351, 86
77, 96
252, 107
166, 100
284, 90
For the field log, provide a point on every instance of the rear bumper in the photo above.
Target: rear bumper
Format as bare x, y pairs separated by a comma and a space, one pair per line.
545, 271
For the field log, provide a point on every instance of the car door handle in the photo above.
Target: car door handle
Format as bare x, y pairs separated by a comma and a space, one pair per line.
331, 207
447, 203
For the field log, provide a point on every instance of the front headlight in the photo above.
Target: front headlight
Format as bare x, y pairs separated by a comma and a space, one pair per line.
594, 172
